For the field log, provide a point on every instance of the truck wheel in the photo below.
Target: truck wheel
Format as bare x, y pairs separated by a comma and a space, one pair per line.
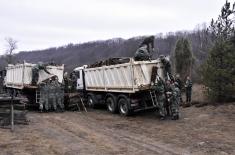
124, 106
112, 104
91, 101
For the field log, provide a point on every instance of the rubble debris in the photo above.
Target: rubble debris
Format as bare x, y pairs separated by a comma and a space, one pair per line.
110, 61
9, 116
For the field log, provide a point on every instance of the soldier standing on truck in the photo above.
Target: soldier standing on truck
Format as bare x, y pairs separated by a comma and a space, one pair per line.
167, 68
35, 72
145, 49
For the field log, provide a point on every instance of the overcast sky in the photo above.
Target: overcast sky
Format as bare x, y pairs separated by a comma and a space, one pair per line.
39, 24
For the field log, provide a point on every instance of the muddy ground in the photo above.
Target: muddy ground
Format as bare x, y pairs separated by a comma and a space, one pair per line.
206, 130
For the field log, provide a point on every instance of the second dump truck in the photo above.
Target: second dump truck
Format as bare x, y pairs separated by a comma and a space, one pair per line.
19, 77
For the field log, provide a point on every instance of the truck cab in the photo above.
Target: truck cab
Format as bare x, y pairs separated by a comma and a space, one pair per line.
79, 72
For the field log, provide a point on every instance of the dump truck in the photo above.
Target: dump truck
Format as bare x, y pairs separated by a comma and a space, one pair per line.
124, 85
19, 78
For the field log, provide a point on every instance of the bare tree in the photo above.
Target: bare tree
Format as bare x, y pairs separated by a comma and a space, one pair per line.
11, 46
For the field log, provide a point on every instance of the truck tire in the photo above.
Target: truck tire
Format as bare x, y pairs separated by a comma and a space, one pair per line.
91, 101
124, 106
111, 102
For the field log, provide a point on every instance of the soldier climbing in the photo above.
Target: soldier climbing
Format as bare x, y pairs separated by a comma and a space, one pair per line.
35, 72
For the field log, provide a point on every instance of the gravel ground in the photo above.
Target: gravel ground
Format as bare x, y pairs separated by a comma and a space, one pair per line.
207, 130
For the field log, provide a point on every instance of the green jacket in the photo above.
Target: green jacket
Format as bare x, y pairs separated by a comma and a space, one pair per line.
142, 54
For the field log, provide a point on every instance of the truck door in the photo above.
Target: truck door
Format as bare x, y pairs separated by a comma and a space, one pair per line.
80, 85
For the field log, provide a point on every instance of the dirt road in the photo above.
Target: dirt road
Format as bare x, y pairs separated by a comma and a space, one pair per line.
208, 130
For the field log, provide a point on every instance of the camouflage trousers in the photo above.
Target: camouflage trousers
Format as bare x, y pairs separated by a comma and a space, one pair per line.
174, 108
188, 95
161, 105
59, 100
44, 103
52, 101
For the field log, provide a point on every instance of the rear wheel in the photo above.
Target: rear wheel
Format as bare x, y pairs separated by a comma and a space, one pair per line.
124, 106
112, 104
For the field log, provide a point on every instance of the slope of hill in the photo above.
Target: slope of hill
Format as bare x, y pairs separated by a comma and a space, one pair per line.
73, 55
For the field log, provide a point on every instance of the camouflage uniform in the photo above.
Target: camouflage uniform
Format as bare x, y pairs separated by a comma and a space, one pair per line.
149, 42
62, 97
172, 100
167, 68
142, 54
42, 96
46, 96
73, 81
178, 93
160, 90
53, 94
179, 85
35, 72
145, 49
188, 86
1, 83
59, 94
66, 82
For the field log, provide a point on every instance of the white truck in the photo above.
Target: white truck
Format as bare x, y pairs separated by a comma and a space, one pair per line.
124, 87
19, 77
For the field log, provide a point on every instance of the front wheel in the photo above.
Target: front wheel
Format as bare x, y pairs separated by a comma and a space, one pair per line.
91, 101
124, 106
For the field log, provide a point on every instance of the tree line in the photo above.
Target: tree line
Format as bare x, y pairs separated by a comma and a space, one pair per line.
73, 55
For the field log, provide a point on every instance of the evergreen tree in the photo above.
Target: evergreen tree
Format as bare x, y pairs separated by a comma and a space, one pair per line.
183, 58
218, 72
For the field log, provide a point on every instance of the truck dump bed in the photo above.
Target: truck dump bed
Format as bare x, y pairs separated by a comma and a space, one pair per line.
128, 77
19, 76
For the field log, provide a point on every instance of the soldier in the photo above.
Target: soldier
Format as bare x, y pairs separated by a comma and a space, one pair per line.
59, 95
188, 88
62, 97
179, 85
167, 68
35, 72
66, 82
51, 99
149, 41
1, 84
172, 100
178, 93
142, 54
53, 90
160, 91
42, 96
73, 81
145, 49
46, 95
